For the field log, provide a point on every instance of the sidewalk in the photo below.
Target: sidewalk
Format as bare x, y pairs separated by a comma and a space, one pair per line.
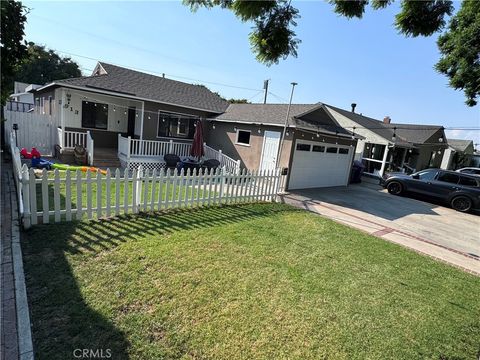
15, 334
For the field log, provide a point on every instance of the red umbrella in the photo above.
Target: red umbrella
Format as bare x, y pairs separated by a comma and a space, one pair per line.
197, 144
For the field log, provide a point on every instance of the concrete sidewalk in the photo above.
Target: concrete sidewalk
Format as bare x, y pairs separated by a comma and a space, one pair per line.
15, 333
430, 229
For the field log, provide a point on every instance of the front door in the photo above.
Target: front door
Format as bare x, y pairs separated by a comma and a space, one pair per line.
271, 142
131, 122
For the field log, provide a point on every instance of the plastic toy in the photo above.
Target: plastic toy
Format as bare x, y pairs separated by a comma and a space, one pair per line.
39, 163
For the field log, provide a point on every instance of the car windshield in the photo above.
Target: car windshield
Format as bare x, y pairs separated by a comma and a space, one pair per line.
426, 174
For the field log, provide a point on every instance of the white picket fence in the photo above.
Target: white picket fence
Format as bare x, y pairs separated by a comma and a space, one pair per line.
76, 195
34, 130
17, 168
225, 161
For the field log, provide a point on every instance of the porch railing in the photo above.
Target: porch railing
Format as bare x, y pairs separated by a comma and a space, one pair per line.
68, 139
89, 148
128, 148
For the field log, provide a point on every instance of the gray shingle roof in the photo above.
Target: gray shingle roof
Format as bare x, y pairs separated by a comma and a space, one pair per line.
155, 88
306, 116
460, 144
405, 133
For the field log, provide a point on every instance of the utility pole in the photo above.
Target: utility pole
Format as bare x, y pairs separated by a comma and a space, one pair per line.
265, 86
285, 126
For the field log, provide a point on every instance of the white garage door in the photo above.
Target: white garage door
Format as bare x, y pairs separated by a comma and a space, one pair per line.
319, 165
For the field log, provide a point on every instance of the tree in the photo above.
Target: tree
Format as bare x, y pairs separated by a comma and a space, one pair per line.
12, 18
238, 101
460, 49
41, 66
272, 37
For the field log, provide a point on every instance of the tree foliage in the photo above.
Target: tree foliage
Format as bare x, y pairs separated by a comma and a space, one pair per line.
460, 50
273, 38
12, 25
238, 101
41, 66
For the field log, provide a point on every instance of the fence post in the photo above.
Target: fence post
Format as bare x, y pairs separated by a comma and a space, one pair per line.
129, 147
139, 187
237, 170
222, 181
25, 181
219, 155
170, 147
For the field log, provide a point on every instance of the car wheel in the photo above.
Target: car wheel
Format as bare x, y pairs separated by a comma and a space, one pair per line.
395, 188
461, 203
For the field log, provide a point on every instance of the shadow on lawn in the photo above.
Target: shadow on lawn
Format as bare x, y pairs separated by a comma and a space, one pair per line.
62, 320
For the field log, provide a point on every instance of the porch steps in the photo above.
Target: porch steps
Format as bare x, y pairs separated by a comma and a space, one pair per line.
106, 158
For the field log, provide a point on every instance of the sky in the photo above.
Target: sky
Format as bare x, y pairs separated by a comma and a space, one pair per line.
340, 61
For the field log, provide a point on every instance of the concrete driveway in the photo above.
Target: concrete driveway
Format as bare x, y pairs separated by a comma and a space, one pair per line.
431, 229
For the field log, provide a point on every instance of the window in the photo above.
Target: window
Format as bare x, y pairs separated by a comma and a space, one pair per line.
342, 151
94, 115
332, 150
318, 148
468, 181
426, 174
173, 125
243, 137
448, 177
303, 147
182, 127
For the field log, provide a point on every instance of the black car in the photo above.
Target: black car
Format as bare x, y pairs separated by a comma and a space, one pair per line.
460, 191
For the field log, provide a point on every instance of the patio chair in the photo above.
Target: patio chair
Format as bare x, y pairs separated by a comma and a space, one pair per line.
211, 164
171, 160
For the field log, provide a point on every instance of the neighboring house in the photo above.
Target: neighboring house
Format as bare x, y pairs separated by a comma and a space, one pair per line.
459, 154
22, 98
390, 146
142, 117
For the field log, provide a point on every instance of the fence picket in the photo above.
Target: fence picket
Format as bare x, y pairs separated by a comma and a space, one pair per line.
125, 191
68, 196
33, 196
153, 190
117, 192
45, 197
99, 195
108, 202
25, 198
145, 189
78, 179
56, 195
167, 191
134, 191
89, 195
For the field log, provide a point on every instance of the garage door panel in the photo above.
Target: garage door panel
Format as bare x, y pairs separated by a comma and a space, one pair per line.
319, 169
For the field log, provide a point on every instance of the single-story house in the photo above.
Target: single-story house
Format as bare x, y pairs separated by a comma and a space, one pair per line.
142, 117
388, 146
459, 154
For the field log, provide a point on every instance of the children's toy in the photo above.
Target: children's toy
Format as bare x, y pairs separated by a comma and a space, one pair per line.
39, 163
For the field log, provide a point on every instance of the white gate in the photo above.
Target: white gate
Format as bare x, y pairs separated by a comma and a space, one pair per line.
34, 130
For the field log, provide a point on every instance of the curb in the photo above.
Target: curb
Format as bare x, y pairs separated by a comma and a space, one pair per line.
25, 344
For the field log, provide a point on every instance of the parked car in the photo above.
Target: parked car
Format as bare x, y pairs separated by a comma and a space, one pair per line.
461, 191
470, 170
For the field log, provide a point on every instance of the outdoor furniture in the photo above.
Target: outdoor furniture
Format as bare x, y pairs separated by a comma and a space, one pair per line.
171, 160
80, 154
211, 164
191, 164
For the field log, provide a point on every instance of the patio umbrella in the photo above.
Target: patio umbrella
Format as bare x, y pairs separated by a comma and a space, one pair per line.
197, 144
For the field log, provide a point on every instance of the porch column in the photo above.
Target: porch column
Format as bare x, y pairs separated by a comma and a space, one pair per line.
62, 119
403, 157
384, 160
141, 120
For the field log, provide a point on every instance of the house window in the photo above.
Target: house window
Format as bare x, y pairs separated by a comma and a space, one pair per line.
303, 147
94, 115
173, 125
318, 148
332, 150
182, 126
342, 151
243, 137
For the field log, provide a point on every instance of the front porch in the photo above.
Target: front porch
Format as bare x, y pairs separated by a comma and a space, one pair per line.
379, 158
131, 153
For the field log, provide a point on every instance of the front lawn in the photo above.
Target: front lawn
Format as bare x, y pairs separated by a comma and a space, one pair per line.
263, 281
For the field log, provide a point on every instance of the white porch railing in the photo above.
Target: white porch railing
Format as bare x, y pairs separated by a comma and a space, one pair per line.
129, 148
89, 148
225, 161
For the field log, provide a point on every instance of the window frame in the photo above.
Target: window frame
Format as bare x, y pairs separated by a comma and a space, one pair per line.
237, 142
169, 118
187, 125
303, 144
98, 105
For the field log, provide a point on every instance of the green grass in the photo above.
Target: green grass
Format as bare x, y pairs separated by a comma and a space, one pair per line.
262, 281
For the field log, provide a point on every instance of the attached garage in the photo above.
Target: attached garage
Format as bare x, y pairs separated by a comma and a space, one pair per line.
319, 164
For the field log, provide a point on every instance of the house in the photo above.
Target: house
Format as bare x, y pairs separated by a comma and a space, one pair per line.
22, 98
392, 146
140, 117
459, 154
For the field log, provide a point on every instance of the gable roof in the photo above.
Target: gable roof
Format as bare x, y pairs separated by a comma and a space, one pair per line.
311, 117
460, 144
108, 77
405, 133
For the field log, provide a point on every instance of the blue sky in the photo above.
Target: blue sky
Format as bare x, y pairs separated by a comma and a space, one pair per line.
339, 61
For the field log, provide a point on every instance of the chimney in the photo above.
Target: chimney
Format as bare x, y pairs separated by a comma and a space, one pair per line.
386, 120
353, 107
